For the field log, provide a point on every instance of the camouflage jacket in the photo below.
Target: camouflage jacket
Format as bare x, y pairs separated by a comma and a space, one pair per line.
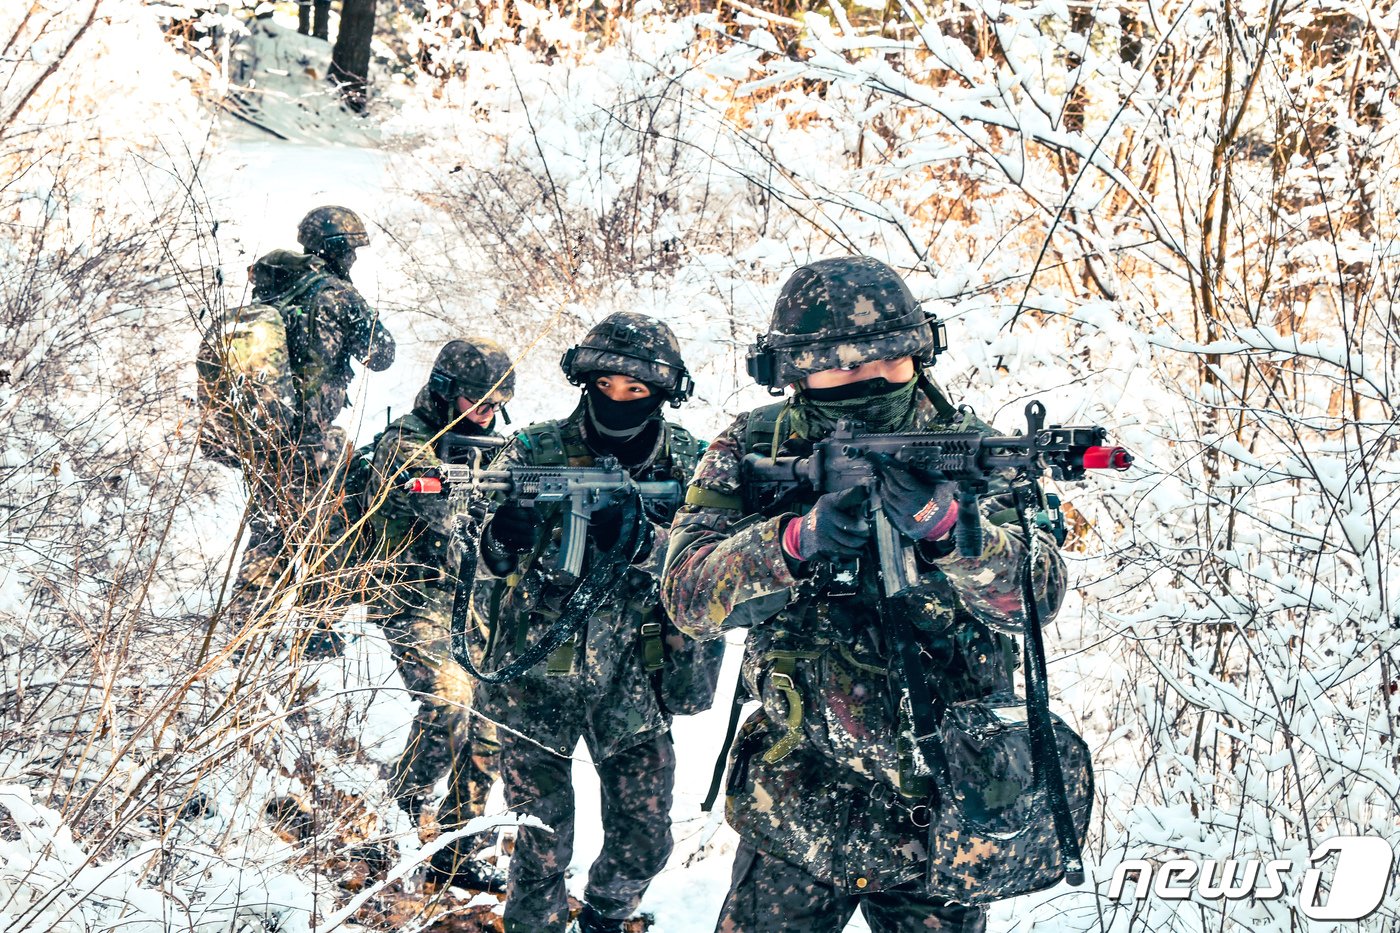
328, 324
827, 737
412, 533
606, 694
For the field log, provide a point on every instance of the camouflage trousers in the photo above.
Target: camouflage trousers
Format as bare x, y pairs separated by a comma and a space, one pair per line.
636, 795
287, 519
445, 737
265, 561
769, 895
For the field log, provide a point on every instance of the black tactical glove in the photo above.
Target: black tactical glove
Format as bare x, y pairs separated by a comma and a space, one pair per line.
835, 528
513, 527
605, 525
922, 508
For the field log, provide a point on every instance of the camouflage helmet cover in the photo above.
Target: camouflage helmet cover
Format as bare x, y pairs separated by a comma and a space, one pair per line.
632, 345
835, 313
476, 368
331, 226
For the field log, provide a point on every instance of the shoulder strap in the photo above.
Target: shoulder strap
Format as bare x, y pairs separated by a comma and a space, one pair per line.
940, 402
571, 436
683, 449
760, 436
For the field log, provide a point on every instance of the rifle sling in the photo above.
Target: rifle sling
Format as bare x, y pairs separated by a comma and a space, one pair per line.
599, 584
736, 706
926, 707
1045, 753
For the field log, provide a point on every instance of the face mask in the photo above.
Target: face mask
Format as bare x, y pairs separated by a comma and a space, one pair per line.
879, 406
620, 421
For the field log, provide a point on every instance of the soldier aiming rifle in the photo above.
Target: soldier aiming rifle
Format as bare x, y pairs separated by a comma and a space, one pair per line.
577, 647
890, 767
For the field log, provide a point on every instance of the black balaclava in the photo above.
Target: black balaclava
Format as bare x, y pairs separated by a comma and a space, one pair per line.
339, 258
626, 430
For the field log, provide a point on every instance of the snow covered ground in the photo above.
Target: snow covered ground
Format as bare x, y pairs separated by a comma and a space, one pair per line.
1229, 650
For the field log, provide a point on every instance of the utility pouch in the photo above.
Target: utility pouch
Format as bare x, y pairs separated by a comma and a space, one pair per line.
994, 836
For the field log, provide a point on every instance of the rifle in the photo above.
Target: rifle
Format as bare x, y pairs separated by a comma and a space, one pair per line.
584, 489
848, 457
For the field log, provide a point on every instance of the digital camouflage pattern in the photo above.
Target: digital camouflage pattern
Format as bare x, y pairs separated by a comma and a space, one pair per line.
835, 313
444, 737
331, 226
821, 776
297, 448
607, 696
417, 561
478, 369
769, 895
600, 691
632, 345
636, 788
328, 325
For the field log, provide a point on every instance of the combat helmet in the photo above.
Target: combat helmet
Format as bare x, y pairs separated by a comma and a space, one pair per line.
331, 227
633, 345
477, 368
835, 313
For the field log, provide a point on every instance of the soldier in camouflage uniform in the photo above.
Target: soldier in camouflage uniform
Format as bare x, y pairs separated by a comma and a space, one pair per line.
327, 324
832, 813
597, 686
470, 384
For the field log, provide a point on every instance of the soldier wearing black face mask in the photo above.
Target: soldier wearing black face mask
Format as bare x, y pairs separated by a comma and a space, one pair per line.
611, 684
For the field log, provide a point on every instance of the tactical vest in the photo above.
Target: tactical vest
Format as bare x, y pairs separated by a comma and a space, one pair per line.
684, 678
765, 432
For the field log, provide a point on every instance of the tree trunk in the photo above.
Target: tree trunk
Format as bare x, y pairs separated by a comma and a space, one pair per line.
350, 57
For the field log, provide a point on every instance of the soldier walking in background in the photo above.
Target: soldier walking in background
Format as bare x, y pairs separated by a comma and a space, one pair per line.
316, 25
471, 382
609, 684
832, 813
327, 324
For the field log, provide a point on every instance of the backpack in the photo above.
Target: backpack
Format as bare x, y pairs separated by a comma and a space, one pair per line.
247, 393
245, 387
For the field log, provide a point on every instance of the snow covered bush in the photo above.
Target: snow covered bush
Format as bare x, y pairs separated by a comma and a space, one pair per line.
1176, 221
144, 782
